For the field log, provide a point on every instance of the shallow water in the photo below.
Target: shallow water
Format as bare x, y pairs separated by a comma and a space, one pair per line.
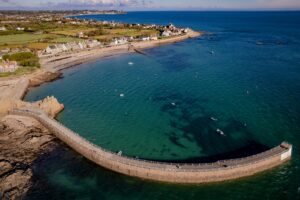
160, 107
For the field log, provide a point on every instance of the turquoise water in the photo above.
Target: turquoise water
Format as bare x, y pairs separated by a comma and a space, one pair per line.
160, 107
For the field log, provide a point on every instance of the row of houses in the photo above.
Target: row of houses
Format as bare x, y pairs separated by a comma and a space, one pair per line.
8, 66
71, 46
125, 40
166, 31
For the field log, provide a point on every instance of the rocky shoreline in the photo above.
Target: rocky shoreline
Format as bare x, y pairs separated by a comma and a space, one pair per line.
22, 140
44, 77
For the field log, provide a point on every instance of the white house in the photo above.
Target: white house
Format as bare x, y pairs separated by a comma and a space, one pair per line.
93, 43
145, 38
171, 26
130, 38
187, 30
166, 33
80, 35
6, 50
82, 45
8, 66
20, 29
119, 41
114, 42
153, 38
122, 41
72, 46
51, 50
3, 28
61, 47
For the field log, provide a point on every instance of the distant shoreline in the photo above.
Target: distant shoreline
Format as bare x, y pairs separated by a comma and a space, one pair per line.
66, 60
74, 16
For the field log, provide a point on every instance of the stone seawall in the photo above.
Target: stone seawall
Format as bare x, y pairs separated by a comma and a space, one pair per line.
159, 171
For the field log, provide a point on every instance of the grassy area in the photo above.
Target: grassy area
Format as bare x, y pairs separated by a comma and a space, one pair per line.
38, 45
27, 61
24, 38
32, 41
11, 32
65, 40
73, 32
19, 72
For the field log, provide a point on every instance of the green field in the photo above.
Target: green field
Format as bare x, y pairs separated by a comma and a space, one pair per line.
24, 38
65, 40
32, 41
73, 32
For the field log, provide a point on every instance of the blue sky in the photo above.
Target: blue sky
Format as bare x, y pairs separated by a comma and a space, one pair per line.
153, 4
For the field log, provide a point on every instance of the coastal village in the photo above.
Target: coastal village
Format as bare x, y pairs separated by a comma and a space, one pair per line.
168, 31
47, 34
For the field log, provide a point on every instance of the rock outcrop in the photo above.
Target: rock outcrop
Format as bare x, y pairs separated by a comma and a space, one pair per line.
22, 140
44, 76
50, 105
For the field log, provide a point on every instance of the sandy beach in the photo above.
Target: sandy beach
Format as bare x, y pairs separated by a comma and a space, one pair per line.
65, 60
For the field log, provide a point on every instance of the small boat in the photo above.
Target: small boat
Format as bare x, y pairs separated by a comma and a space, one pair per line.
122, 95
130, 63
220, 132
212, 52
120, 153
214, 119
173, 104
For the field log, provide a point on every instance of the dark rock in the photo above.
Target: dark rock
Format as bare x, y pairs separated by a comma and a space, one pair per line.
22, 140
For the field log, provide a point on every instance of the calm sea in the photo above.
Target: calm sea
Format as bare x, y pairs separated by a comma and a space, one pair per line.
244, 72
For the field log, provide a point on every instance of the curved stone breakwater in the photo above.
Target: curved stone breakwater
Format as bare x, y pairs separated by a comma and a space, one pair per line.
159, 171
